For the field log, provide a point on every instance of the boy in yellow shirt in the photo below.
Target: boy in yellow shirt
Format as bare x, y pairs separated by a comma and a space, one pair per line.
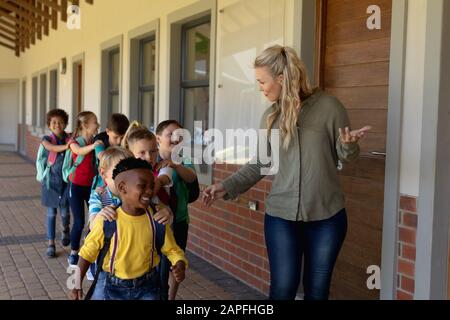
133, 251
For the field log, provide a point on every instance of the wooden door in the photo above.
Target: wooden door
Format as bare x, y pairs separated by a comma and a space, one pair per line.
354, 67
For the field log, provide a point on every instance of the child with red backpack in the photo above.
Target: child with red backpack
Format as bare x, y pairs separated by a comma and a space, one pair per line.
49, 164
79, 171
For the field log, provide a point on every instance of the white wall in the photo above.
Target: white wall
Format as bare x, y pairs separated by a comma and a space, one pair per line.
9, 112
413, 98
101, 22
9, 64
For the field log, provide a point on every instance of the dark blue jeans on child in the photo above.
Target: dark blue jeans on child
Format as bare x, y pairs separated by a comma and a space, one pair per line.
145, 287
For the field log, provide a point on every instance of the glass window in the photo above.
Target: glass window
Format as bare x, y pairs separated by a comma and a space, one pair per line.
114, 81
195, 60
195, 83
114, 103
34, 101
148, 63
196, 107
115, 70
147, 79
197, 52
53, 101
147, 102
42, 100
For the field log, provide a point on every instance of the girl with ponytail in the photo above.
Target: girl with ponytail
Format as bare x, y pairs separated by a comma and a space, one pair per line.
81, 177
305, 214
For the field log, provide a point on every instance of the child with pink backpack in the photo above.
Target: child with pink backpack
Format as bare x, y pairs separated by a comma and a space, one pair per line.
49, 164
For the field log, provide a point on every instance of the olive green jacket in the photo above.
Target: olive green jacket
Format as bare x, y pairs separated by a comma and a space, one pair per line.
306, 186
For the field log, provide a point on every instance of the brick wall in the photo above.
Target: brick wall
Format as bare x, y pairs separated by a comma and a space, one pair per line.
31, 143
230, 235
407, 227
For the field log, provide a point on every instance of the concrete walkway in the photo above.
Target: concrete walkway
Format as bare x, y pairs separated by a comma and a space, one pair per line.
27, 273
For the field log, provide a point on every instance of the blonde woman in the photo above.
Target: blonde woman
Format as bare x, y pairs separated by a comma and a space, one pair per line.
305, 216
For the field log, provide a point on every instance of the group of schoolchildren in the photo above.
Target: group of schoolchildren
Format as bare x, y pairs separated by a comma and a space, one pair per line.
135, 242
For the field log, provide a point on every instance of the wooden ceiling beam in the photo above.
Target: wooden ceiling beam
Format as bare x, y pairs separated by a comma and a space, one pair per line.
64, 10
28, 6
23, 29
47, 20
32, 34
36, 27
54, 18
52, 4
7, 46
44, 13
8, 17
4, 36
56, 7
17, 42
18, 11
6, 30
21, 21
7, 23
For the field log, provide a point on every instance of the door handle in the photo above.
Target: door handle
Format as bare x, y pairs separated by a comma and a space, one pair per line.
376, 153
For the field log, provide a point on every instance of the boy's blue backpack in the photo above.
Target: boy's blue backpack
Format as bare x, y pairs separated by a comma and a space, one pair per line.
69, 166
109, 228
44, 160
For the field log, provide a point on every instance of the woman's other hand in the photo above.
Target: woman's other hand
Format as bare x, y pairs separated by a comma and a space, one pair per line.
348, 136
212, 193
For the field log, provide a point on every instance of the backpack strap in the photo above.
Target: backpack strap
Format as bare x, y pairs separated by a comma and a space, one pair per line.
109, 228
52, 155
79, 158
160, 231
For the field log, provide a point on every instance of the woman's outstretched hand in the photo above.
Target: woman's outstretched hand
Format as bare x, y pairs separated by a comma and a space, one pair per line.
348, 136
212, 193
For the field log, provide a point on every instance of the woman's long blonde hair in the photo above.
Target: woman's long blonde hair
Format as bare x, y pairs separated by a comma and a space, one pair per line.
295, 87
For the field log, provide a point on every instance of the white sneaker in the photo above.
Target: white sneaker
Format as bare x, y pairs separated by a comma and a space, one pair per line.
89, 275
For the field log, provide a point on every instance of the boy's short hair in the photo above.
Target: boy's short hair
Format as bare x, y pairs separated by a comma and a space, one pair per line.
57, 113
130, 163
118, 123
113, 154
163, 125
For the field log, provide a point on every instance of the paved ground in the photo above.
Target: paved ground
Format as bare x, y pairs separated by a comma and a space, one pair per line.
26, 272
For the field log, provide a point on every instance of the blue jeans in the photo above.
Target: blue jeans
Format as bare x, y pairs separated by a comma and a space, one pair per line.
79, 195
51, 221
99, 291
317, 242
146, 290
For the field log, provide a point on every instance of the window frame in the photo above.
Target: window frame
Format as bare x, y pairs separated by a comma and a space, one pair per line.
54, 90
111, 91
191, 84
145, 88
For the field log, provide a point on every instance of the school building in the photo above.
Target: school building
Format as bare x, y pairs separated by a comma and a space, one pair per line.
191, 60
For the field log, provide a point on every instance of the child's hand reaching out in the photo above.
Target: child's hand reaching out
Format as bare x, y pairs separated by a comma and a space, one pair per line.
164, 215
108, 213
178, 271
